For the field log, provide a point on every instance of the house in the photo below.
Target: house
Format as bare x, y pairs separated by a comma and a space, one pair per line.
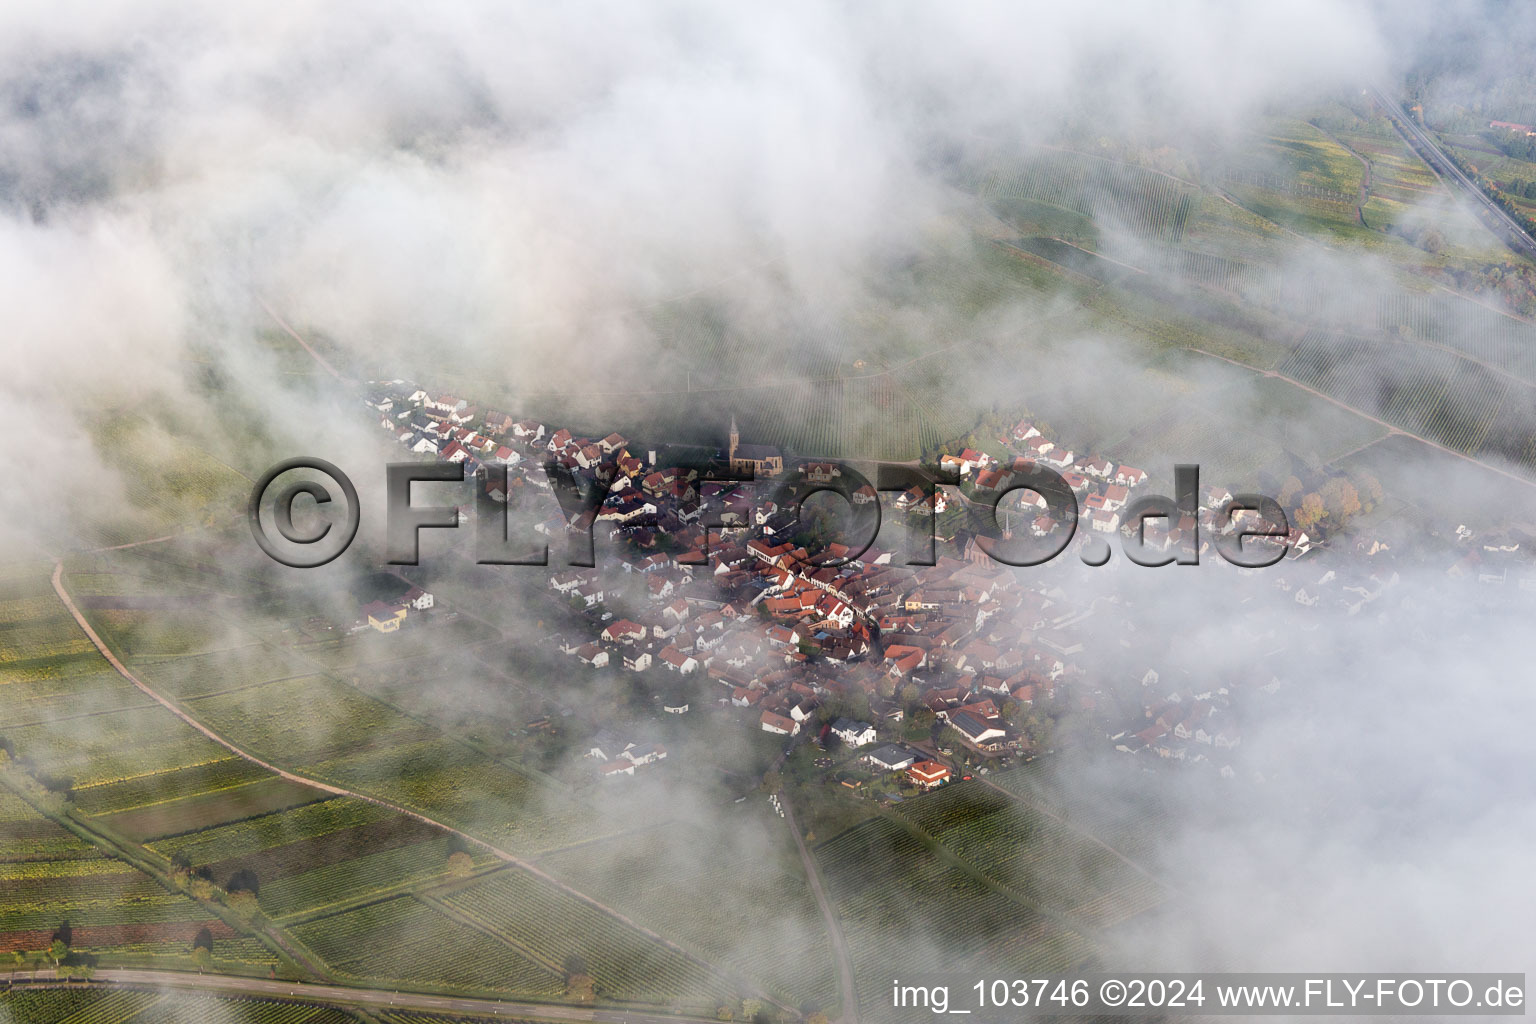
675, 707
1127, 476
1024, 431
928, 774
677, 661
612, 443
417, 598
854, 734
591, 654
890, 757
637, 661
648, 753
528, 430
779, 724
1097, 467
384, 617
624, 631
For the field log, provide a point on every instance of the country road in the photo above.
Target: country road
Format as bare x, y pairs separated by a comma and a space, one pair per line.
1506, 227
503, 855
377, 999
829, 914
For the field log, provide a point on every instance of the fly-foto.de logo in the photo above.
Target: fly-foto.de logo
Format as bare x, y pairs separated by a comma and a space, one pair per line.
313, 509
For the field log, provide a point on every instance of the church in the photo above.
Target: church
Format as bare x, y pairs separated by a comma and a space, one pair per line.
762, 460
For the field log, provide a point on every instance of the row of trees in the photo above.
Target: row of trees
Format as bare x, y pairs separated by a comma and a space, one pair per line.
1338, 500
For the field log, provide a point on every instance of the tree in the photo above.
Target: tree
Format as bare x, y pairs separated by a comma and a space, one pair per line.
1341, 500
1369, 488
1289, 492
58, 951
909, 694
817, 1018
460, 864
580, 988
750, 1008
244, 904
202, 957
1311, 511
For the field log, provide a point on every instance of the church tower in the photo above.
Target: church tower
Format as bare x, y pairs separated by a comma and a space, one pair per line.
735, 440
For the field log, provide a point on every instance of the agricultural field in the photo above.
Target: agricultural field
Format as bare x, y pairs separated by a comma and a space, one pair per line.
557, 929
129, 1006
1447, 398
1035, 855
1151, 204
114, 912
734, 905
906, 910
25, 835
451, 782
1129, 813
405, 940
167, 481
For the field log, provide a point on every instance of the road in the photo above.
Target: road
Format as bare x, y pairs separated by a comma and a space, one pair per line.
325, 787
829, 914
210, 984
1506, 227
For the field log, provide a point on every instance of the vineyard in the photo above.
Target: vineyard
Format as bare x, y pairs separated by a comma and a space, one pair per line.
451, 782
129, 1006
158, 787
193, 813
1150, 204
904, 910
1130, 817
26, 835
298, 894
1486, 335
96, 749
404, 940
730, 906
556, 928
200, 675
300, 720
1451, 400
1034, 855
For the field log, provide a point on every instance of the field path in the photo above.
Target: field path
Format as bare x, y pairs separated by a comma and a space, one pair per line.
326, 787
1391, 429
381, 1000
829, 914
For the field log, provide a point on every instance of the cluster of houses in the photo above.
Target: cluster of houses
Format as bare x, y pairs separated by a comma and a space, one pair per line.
774, 632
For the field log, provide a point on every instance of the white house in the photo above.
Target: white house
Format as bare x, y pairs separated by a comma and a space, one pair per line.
854, 734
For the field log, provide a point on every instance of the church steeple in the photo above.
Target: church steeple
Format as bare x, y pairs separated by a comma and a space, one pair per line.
735, 439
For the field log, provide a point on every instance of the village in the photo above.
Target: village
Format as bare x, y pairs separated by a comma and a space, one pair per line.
924, 672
